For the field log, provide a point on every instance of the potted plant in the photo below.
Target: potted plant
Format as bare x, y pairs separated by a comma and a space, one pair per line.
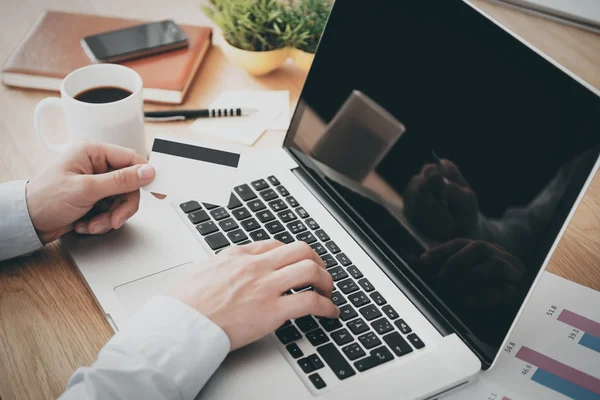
252, 32
305, 22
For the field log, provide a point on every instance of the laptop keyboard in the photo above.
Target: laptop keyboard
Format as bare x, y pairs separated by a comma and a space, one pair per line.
368, 333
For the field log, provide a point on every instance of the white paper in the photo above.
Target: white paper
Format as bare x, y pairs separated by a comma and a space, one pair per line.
273, 114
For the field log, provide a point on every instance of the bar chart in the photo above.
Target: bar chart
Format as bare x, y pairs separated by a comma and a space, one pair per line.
591, 329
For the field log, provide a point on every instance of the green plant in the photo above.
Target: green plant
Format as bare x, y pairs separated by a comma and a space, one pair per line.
254, 25
305, 21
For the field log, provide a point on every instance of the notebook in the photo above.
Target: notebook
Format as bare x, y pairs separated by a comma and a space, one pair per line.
52, 49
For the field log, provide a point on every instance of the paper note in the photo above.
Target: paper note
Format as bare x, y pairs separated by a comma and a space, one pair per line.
273, 113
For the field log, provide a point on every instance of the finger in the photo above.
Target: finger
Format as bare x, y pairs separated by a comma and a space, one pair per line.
261, 247
307, 303
452, 173
442, 252
159, 196
289, 254
99, 224
105, 157
120, 181
473, 253
96, 223
128, 206
301, 274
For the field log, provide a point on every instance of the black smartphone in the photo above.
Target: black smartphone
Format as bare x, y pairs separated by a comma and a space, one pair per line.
134, 42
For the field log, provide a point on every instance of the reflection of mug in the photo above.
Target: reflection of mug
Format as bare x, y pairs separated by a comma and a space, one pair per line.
358, 137
119, 122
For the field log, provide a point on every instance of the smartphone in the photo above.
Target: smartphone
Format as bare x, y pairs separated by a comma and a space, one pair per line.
134, 42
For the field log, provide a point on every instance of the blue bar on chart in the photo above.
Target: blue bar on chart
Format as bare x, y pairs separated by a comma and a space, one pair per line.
590, 341
563, 386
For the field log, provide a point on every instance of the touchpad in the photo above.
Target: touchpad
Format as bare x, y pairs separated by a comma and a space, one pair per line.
134, 294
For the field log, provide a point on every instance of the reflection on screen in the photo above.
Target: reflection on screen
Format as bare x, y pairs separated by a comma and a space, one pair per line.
459, 146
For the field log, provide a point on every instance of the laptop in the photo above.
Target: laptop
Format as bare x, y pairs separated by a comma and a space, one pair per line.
497, 147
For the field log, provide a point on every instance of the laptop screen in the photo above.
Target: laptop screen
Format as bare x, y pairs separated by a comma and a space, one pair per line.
458, 149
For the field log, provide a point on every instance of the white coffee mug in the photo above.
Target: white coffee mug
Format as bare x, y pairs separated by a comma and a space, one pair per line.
119, 122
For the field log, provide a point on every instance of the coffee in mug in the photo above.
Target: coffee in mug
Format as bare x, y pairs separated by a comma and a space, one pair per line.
100, 95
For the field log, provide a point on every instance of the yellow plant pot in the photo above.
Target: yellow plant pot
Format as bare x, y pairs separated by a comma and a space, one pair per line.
254, 62
302, 58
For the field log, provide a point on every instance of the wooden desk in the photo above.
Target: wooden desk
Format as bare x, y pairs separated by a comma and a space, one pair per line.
49, 323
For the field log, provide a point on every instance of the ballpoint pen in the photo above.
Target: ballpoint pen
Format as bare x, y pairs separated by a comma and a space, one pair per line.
179, 115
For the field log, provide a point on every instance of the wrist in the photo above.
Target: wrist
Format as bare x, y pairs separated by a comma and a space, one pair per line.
34, 208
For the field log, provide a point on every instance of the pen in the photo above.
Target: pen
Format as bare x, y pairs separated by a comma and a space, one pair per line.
179, 115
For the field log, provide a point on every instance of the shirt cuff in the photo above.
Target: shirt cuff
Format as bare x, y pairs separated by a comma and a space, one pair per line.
17, 234
177, 340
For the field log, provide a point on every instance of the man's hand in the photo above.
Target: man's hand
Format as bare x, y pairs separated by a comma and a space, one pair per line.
93, 189
440, 202
479, 273
241, 289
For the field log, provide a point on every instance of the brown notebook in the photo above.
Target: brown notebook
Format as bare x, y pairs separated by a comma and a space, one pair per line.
52, 49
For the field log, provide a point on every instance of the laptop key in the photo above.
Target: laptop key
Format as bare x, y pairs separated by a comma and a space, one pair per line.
306, 365
328, 260
342, 337
216, 241
382, 326
210, 206
198, 216
256, 205
277, 205
306, 237
358, 326
265, 216
317, 337
337, 273
284, 237
292, 201
403, 326
245, 192
250, 224
274, 181
359, 299
366, 285
353, 351
219, 214
306, 323
355, 272
397, 343
378, 298
296, 227
237, 236
274, 227
302, 212
338, 299
377, 357
259, 235
390, 312
322, 235
241, 213
288, 334
415, 340
316, 361
330, 324
294, 350
234, 202
190, 206
287, 216
312, 224
370, 312
283, 191
260, 184
317, 381
347, 312
336, 361
343, 259
333, 248
347, 286
228, 224
318, 248
268, 195
369, 340
207, 228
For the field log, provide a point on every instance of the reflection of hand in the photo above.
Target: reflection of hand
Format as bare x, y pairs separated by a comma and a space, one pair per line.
482, 274
241, 290
440, 202
104, 177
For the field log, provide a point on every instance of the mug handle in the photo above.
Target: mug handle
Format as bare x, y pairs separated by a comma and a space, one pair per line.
48, 102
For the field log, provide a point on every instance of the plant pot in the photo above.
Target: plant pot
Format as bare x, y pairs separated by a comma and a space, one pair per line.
254, 62
301, 58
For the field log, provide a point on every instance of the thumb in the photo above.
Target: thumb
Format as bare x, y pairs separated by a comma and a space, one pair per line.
122, 181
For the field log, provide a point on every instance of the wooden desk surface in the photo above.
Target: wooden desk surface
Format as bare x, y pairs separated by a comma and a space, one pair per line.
49, 323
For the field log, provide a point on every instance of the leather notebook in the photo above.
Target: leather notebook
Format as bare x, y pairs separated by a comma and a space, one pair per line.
52, 49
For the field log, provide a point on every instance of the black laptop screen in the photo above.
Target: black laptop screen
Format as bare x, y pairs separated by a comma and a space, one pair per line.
461, 149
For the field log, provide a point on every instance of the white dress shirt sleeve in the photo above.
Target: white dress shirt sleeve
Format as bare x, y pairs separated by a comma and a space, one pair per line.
17, 234
167, 351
